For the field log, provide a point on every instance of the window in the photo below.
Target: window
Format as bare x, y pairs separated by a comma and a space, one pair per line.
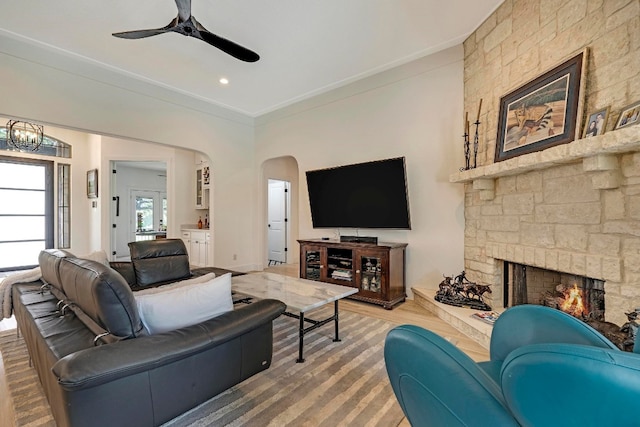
26, 211
64, 206
150, 213
50, 146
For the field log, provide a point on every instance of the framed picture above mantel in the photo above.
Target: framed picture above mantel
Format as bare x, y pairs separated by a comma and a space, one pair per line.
544, 112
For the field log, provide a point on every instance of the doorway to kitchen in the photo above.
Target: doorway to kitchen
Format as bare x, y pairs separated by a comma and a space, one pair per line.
139, 204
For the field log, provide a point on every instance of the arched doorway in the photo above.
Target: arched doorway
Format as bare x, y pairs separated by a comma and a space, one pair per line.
280, 219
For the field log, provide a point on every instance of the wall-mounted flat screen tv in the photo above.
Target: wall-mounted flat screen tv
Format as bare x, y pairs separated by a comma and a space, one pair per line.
363, 195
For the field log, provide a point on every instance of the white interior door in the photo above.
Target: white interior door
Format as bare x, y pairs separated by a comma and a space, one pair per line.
277, 221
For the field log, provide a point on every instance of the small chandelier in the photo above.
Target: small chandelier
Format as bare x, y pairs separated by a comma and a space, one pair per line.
24, 136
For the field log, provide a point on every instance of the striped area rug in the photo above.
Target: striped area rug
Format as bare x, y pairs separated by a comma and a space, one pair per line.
340, 383
30, 405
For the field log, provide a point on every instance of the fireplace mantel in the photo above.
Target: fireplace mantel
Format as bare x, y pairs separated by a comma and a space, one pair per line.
599, 156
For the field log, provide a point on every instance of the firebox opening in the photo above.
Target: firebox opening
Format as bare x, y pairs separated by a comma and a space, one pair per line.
580, 296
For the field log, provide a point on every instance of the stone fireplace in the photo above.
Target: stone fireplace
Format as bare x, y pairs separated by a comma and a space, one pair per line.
573, 208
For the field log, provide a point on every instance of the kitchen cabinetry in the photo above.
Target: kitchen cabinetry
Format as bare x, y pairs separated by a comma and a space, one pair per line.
202, 186
377, 270
198, 245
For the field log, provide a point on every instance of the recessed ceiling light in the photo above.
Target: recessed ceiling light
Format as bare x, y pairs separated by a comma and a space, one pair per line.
224, 81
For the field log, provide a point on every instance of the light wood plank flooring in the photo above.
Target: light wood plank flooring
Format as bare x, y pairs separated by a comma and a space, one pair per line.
406, 313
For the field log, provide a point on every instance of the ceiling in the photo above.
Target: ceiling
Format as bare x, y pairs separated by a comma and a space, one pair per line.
306, 46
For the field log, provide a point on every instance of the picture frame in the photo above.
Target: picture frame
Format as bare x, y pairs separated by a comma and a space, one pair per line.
629, 116
596, 123
544, 112
92, 184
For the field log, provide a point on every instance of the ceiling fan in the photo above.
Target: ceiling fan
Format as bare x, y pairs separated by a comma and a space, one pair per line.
186, 24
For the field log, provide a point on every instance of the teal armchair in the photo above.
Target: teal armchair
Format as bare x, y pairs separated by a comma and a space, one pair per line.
546, 369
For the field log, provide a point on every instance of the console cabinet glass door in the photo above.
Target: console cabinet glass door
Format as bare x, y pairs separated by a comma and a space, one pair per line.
312, 262
370, 274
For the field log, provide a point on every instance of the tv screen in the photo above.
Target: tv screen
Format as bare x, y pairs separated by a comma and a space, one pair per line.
363, 195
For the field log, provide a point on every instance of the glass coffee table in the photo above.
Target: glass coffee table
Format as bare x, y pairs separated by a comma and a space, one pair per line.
300, 296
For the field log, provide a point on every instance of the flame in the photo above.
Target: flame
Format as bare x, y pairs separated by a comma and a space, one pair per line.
573, 302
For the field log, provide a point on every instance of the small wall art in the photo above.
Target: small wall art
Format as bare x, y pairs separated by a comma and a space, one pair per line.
92, 184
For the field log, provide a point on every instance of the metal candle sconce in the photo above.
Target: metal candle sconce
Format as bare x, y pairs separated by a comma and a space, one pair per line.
467, 143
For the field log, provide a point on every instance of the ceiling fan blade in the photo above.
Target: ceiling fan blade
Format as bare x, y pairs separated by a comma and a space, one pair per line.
184, 9
140, 34
227, 46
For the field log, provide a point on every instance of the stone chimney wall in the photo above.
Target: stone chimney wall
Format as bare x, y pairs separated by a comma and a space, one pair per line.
561, 217
524, 38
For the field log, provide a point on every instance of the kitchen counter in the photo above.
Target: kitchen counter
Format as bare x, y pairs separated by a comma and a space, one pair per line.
150, 235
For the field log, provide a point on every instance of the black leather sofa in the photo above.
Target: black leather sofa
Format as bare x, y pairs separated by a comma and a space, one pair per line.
97, 365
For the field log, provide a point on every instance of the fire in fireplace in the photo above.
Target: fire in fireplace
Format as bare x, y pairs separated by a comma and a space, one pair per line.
580, 296
573, 301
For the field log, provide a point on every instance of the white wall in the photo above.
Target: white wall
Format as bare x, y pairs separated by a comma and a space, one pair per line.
413, 111
62, 90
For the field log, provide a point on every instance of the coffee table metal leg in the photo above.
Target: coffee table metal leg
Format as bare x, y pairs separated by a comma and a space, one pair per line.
335, 317
301, 339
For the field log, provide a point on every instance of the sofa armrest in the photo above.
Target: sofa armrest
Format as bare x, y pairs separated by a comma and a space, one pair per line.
102, 364
125, 268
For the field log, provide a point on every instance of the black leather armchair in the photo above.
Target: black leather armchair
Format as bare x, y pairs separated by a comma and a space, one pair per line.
158, 262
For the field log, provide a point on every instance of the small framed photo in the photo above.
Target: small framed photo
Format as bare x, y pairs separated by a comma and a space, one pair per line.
630, 116
92, 184
596, 123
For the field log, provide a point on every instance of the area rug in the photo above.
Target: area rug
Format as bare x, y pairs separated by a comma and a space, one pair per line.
30, 405
340, 383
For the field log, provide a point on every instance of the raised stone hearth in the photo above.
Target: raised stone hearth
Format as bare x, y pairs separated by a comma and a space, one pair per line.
573, 208
458, 317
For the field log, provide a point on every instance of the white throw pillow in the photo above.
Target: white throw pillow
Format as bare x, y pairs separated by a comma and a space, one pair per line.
182, 306
98, 256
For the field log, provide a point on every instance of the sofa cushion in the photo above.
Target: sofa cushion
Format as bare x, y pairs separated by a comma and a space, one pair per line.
156, 261
172, 307
49, 261
100, 297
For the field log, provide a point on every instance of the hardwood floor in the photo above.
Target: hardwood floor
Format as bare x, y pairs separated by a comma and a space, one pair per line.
6, 409
406, 313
